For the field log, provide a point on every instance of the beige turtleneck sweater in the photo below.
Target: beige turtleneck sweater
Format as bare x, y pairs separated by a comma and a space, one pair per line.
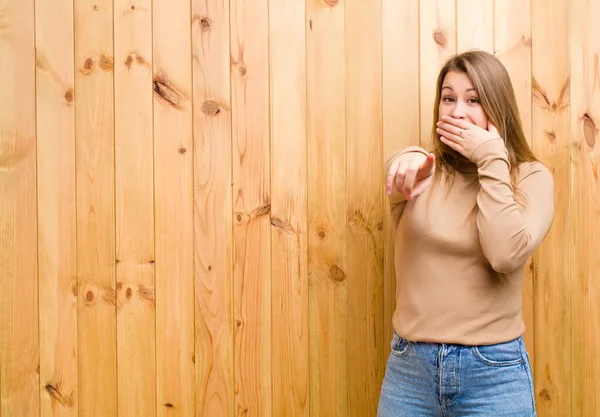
460, 271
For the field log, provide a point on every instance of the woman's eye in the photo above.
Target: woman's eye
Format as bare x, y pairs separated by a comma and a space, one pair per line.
448, 99
474, 100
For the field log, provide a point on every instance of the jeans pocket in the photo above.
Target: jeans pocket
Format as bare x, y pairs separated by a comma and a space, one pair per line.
399, 346
501, 354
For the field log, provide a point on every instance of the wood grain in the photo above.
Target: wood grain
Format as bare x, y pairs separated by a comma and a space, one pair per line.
437, 44
475, 25
174, 208
252, 207
551, 142
19, 349
291, 371
512, 45
95, 154
205, 238
364, 213
327, 202
213, 208
400, 118
584, 366
134, 168
57, 243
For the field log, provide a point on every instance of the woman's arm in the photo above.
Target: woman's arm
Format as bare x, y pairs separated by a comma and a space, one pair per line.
508, 232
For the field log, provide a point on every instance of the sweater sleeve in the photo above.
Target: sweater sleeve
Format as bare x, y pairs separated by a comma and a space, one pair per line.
398, 197
509, 232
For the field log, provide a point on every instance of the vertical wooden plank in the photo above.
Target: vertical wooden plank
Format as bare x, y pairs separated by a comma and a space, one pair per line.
134, 208
291, 372
173, 205
252, 206
19, 349
212, 208
94, 123
475, 25
512, 45
327, 201
584, 367
56, 208
365, 347
550, 130
437, 44
401, 125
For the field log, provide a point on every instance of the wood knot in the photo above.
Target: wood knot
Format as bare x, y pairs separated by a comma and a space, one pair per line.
106, 62
550, 135
211, 108
321, 235
205, 23
95, 7
133, 7
56, 395
169, 405
138, 59
69, 95
168, 93
88, 64
146, 293
440, 38
589, 130
182, 150
243, 70
128, 293
282, 225
89, 296
336, 274
545, 395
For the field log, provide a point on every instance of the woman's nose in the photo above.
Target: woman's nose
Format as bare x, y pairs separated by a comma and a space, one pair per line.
459, 111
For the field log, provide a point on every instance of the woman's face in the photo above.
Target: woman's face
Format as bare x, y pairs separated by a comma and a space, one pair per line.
459, 99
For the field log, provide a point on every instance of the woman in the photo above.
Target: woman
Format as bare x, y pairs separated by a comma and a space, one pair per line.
467, 216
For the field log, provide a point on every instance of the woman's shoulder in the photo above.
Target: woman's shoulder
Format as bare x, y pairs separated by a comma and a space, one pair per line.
536, 168
536, 174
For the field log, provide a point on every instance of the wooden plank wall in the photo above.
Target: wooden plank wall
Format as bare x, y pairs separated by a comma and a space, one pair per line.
192, 217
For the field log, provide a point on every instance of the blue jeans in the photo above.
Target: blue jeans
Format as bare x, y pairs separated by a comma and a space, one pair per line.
444, 380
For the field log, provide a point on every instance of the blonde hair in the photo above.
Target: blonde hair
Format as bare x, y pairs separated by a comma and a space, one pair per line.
496, 94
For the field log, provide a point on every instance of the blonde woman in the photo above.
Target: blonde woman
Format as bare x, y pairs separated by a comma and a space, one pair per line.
467, 216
